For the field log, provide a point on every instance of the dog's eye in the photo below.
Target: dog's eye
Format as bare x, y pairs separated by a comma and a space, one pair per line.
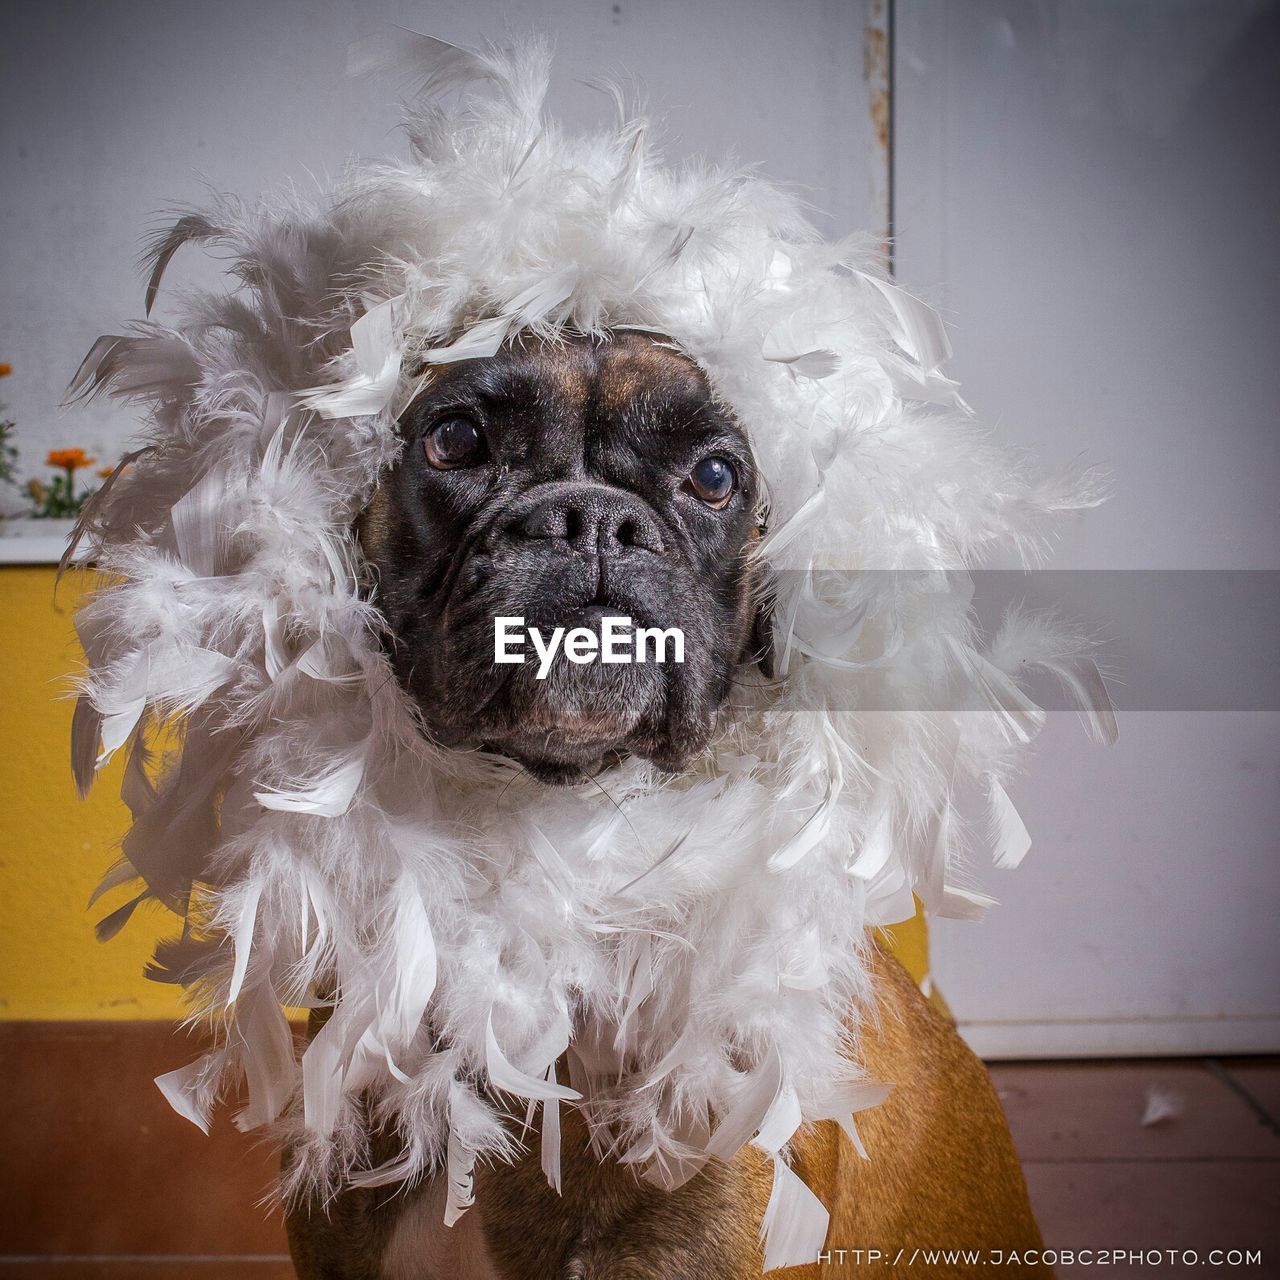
454, 441
713, 480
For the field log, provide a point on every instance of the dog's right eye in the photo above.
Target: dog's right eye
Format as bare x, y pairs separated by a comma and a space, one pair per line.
455, 441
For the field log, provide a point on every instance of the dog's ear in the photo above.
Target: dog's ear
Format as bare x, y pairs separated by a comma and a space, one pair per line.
373, 524
759, 647
761, 644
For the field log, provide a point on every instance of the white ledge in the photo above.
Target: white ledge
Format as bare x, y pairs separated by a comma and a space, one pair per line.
33, 541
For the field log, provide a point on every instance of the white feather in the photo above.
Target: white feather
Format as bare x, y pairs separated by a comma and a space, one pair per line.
964, 904
918, 328
377, 368
795, 1221
755, 1099
191, 1090
122, 707
329, 796
502, 1075
1081, 675
242, 935
794, 342
202, 521
460, 1193
550, 1141
415, 968
1010, 838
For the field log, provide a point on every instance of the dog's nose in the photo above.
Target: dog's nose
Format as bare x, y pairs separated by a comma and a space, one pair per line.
594, 519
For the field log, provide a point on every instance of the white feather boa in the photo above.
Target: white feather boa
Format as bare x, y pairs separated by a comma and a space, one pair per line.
697, 945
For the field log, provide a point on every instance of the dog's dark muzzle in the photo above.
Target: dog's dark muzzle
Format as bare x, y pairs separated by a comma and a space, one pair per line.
590, 548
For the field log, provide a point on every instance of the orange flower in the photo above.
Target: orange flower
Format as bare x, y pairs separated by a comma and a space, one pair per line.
5, 369
69, 459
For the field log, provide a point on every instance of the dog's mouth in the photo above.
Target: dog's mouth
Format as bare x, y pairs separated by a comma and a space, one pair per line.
582, 697
567, 669
562, 666
562, 754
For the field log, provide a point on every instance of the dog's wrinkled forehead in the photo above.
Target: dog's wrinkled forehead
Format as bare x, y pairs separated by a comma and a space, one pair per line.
637, 365
622, 379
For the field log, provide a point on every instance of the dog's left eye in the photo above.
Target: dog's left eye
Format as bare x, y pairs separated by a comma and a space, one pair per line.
713, 480
455, 441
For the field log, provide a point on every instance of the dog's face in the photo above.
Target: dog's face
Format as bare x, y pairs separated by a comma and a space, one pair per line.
567, 483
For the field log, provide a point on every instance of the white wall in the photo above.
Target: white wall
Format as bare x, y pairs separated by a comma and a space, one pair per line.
1092, 184
110, 113
1089, 188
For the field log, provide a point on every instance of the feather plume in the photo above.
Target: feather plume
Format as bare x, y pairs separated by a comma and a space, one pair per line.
795, 1221
1010, 838
694, 945
191, 226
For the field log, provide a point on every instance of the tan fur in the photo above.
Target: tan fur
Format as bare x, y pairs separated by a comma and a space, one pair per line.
943, 1174
639, 362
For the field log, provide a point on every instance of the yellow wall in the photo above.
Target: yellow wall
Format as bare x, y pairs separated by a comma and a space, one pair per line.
54, 847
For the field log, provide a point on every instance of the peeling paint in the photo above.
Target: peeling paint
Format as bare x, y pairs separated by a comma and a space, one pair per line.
877, 72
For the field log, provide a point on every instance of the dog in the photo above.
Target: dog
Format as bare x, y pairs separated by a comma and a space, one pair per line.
561, 485
566, 482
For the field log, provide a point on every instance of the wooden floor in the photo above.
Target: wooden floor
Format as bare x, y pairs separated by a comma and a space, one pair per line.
1207, 1177
100, 1179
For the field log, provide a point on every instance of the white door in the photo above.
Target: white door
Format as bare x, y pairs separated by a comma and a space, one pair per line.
1090, 192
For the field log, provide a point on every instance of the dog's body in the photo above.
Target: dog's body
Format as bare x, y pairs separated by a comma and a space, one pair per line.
563, 483
942, 1176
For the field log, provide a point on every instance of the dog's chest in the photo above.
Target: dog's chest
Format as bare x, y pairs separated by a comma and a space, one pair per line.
421, 1245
